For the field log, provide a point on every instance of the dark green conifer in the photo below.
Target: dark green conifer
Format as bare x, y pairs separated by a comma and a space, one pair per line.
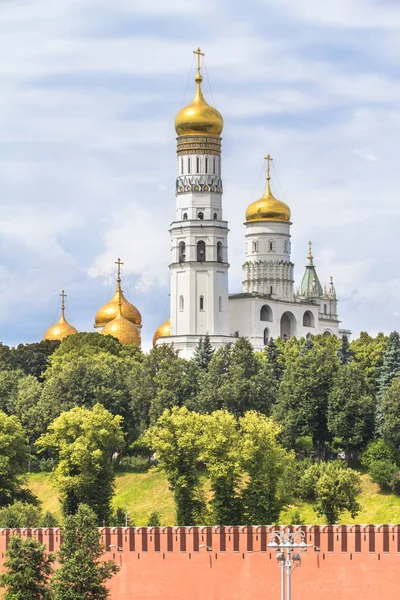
344, 353
203, 352
27, 570
391, 363
82, 574
273, 355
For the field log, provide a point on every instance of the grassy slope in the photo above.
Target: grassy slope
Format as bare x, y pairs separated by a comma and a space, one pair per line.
143, 493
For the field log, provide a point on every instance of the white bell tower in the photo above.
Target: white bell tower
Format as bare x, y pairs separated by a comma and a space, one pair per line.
199, 235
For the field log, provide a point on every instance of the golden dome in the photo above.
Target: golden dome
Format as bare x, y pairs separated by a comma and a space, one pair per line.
62, 329
268, 208
163, 331
198, 117
110, 311
124, 330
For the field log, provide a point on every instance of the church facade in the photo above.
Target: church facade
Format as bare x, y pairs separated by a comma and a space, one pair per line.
268, 305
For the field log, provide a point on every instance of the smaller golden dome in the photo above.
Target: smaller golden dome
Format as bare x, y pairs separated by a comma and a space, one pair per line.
268, 208
124, 330
110, 311
163, 331
62, 329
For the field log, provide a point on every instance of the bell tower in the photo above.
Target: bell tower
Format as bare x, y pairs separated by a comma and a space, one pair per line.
199, 235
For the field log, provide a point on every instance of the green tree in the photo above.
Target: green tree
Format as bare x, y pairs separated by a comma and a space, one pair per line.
203, 352
391, 363
82, 575
83, 443
176, 440
14, 457
350, 409
302, 407
154, 520
27, 407
220, 453
274, 357
377, 450
20, 514
344, 352
101, 378
9, 381
264, 461
238, 380
390, 414
334, 489
33, 359
28, 569
368, 354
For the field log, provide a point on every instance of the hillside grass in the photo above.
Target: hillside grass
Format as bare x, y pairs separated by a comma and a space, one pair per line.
143, 493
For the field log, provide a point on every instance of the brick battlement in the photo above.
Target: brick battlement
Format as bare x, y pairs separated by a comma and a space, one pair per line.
232, 563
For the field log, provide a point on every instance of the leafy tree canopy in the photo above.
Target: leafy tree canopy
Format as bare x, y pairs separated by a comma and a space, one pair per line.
14, 457
83, 442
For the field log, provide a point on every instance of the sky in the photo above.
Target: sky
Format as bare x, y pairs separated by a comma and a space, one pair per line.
89, 90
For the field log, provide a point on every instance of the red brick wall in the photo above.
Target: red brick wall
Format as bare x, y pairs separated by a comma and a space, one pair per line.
234, 563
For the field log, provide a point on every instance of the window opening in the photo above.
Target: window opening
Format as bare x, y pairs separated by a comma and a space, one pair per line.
185, 216
181, 303
201, 251
201, 302
219, 251
182, 252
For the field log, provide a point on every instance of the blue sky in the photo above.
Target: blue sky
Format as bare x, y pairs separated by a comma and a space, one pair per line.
88, 94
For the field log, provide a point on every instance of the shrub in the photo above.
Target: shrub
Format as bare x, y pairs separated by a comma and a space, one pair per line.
154, 520
377, 450
382, 472
20, 514
395, 483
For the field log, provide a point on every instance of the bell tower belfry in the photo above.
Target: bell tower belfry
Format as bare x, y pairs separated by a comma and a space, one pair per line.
199, 235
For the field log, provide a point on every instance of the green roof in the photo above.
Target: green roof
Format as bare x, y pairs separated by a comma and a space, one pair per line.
310, 286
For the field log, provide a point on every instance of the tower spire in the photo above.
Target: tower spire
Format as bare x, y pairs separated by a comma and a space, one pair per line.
63, 296
310, 256
199, 54
269, 159
119, 263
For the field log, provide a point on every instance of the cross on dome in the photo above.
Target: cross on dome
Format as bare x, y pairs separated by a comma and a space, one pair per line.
199, 55
269, 159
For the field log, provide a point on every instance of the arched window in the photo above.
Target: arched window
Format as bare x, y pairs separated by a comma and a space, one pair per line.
181, 304
219, 251
220, 304
271, 290
197, 165
185, 216
286, 247
266, 336
308, 319
188, 165
201, 251
200, 216
265, 313
326, 333
181, 166
325, 309
214, 166
201, 303
182, 252
271, 246
206, 165
215, 216
254, 246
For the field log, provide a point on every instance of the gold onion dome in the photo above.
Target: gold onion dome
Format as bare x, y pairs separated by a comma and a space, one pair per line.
62, 329
198, 117
163, 331
110, 311
268, 208
124, 330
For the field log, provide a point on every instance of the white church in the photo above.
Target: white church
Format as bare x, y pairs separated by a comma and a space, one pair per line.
268, 306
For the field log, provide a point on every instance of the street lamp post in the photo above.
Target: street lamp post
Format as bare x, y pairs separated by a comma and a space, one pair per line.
287, 547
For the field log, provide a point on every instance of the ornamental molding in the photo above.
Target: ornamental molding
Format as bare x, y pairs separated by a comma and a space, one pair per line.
198, 183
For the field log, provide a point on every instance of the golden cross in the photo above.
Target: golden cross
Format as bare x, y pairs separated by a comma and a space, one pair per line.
269, 159
119, 263
63, 296
199, 54
309, 249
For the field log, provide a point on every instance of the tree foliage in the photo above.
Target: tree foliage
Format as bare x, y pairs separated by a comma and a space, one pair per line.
27, 570
203, 353
82, 575
390, 414
83, 442
176, 441
14, 457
